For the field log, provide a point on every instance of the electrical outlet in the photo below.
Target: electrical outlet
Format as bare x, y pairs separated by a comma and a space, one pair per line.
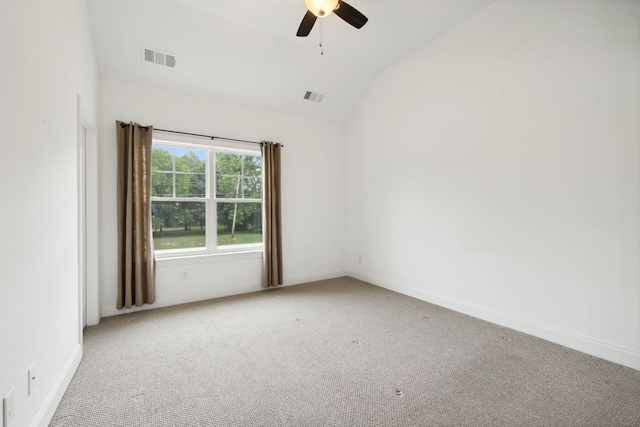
32, 379
184, 274
9, 405
360, 259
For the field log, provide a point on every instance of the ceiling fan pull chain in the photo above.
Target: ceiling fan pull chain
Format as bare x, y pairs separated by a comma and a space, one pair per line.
321, 33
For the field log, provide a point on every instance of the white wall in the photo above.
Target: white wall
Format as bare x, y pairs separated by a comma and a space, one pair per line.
48, 61
495, 171
313, 175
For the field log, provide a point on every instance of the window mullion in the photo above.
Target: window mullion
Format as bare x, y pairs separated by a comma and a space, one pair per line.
213, 206
242, 176
232, 200
173, 175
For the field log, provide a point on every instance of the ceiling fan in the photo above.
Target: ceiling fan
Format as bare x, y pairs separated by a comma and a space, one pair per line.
323, 8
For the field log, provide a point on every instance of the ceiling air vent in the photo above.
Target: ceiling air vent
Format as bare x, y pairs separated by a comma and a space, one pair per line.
312, 96
158, 57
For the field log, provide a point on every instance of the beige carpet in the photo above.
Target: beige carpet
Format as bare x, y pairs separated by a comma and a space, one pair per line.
335, 353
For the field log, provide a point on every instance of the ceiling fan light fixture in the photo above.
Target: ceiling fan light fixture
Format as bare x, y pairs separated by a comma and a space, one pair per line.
321, 8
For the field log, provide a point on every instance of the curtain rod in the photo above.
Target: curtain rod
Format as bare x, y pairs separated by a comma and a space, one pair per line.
197, 134
207, 136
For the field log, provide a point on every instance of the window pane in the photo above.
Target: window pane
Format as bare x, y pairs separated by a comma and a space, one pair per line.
183, 167
228, 170
239, 223
162, 158
162, 184
252, 187
190, 160
238, 176
228, 186
253, 177
191, 185
228, 163
178, 225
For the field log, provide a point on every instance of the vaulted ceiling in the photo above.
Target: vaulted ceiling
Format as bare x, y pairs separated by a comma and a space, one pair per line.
246, 51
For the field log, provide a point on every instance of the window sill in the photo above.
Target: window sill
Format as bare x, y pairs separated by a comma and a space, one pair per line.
178, 260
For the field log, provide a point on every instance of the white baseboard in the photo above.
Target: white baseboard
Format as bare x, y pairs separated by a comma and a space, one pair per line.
315, 277
603, 350
45, 414
183, 298
188, 297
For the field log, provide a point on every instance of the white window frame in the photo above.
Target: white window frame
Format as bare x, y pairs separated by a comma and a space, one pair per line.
210, 200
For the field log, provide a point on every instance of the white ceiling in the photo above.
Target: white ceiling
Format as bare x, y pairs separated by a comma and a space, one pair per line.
246, 51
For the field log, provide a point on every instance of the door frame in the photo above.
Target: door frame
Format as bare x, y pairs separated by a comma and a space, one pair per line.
88, 272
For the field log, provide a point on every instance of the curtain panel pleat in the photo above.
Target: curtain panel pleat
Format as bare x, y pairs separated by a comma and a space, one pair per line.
136, 260
272, 259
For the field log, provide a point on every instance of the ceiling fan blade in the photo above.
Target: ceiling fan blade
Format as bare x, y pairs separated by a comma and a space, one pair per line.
307, 24
350, 15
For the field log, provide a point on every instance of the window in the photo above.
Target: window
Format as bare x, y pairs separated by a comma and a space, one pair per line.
196, 186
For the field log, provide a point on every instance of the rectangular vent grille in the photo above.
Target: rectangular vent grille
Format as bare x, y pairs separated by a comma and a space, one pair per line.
312, 96
155, 56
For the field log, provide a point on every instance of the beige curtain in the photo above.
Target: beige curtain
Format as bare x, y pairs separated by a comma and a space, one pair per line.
272, 260
136, 261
